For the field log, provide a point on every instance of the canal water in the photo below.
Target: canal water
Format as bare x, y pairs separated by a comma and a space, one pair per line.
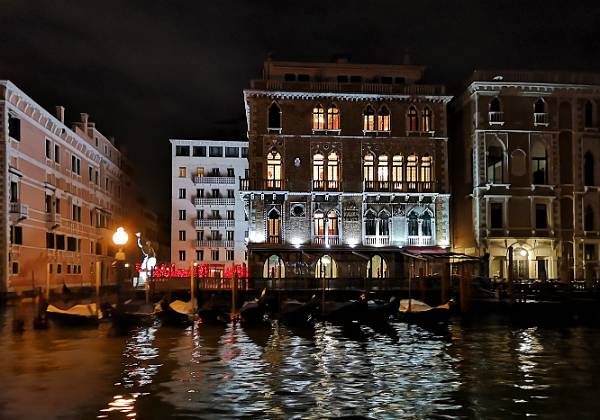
482, 370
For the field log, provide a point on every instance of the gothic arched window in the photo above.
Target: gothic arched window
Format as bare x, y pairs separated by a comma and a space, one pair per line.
426, 120
318, 118
333, 118
383, 119
274, 116
369, 119
412, 119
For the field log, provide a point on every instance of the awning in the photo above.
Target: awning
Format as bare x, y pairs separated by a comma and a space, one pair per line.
436, 253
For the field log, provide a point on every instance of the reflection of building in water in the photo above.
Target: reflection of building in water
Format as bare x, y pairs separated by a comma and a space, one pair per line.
348, 165
207, 213
532, 186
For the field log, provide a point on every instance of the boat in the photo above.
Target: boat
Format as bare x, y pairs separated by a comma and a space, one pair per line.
413, 310
255, 311
381, 311
84, 313
342, 312
177, 313
294, 312
132, 313
214, 312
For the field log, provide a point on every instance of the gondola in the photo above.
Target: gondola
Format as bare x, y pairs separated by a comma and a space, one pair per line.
131, 314
81, 314
412, 310
254, 312
342, 312
214, 312
176, 313
296, 313
380, 311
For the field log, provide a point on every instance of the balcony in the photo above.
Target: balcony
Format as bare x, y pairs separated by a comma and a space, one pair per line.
326, 240
540, 119
274, 239
218, 223
261, 184
212, 243
209, 201
399, 186
53, 219
338, 87
19, 211
323, 185
419, 241
213, 179
374, 240
496, 117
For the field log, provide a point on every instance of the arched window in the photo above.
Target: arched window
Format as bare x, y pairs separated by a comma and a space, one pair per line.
495, 164
412, 119
397, 177
273, 227
333, 118
370, 224
384, 223
426, 173
274, 116
413, 224
539, 112
383, 119
588, 219
495, 114
368, 171
411, 172
588, 169
369, 119
319, 223
426, 224
539, 163
426, 120
273, 170
589, 115
318, 121
377, 267
326, 268
382, 171
274, 268
333, 171
332, 223
318, 171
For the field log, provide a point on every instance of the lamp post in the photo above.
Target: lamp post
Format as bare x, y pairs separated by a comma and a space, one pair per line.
119, 238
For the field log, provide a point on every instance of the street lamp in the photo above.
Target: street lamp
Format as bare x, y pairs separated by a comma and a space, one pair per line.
119, 238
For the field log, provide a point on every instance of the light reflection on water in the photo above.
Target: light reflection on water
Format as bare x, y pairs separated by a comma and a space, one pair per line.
403, 371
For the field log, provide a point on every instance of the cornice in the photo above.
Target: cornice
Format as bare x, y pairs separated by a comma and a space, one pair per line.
351, 97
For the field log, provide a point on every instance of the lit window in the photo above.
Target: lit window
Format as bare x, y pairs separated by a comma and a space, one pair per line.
273, 227
333, 169
182, 172
383, 119
368, 170
318, 171
382, 169
274, 268
426, 120
412, 119
319, 223
426, 172
332, 223
273, 170
397, 177
318, 118
369, 119
333, 118
411, 172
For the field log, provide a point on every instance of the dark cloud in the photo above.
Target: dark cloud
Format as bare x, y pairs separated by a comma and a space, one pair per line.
148, 71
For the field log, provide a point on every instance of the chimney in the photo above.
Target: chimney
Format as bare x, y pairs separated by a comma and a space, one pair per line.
84, 120
60, 113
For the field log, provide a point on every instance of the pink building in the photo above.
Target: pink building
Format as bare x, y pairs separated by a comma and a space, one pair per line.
62, 191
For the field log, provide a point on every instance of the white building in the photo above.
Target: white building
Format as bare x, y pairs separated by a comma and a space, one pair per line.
208, 222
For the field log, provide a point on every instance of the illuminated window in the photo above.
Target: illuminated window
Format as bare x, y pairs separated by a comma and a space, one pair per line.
333, 170
318, 118
412, 119
182, 172
368, 169
273, 170
369, 119
426, 119
326, 267
273, 227
318, 171
319, 223
377, 267
411, 172
539, 163
382, 170
332, 223
397, 177
383, 119
426, 172
274, 116
333, 118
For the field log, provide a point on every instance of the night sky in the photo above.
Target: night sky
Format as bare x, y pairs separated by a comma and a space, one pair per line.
147, 71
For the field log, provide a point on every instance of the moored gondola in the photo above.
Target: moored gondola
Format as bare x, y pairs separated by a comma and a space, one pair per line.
81, 314
412, 310
296, 313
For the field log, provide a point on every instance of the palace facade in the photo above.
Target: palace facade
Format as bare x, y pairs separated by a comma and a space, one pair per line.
348, 169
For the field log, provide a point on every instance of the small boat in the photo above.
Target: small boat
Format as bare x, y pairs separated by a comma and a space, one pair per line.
255, 311
85, 313
177, 313
214, 312
344, 311
380, 311
132, 313
413, 310
294, 312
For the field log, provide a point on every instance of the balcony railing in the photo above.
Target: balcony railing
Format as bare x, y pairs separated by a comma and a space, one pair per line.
540, 118
326, 240
214, 201
325, 185
21, 211
209, 243
496, 117
214, 223
419, 241
53, 219
261, 184
399, 186
213, 179
361, 87
376, 240
274, 239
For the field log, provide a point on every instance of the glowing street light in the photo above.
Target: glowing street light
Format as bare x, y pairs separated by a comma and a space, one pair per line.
120, 237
